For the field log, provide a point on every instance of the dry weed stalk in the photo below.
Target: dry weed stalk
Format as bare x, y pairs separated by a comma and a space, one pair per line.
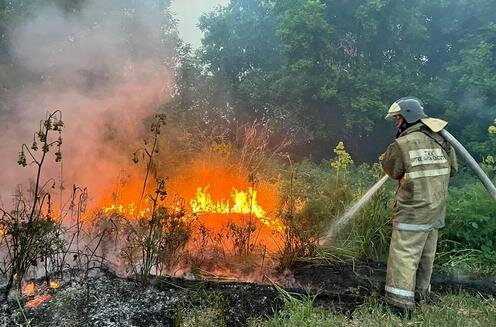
29, 231
255, 141
156, 241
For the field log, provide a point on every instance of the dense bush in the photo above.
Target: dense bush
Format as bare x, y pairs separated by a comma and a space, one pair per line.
310, 200
470, 223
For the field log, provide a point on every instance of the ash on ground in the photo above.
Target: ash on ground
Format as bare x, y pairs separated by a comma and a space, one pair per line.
107, 300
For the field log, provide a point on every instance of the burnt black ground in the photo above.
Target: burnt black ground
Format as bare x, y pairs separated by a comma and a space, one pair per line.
106, 300
347, 286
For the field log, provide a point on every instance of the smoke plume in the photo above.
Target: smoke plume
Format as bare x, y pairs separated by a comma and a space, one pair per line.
107, 67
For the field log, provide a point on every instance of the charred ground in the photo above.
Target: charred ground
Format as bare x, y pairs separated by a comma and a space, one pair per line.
107, 300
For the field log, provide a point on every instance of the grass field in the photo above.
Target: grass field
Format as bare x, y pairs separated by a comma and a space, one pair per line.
448, 310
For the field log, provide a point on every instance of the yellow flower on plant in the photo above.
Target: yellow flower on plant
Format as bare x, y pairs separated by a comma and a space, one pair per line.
344, 158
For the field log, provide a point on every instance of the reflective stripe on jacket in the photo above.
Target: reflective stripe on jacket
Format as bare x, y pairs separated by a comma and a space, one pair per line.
422, 161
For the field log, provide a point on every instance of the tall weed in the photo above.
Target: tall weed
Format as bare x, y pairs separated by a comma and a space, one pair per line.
29, 233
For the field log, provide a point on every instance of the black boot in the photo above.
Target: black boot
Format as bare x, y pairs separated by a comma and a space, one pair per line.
403, 313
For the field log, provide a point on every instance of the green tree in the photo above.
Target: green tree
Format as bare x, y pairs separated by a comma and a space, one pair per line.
241, 48
327, 70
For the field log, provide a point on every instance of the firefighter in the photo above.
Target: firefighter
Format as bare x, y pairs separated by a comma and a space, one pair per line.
422, 161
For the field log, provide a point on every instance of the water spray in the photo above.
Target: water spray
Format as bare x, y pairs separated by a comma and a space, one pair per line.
436, 125
348, 215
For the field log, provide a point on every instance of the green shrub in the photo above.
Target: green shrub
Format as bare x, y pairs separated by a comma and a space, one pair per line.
470, 223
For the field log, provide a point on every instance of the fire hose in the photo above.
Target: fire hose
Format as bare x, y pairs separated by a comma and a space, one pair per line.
471, 162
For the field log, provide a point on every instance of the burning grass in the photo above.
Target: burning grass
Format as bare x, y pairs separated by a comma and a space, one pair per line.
200, 219
219, 215
214, 214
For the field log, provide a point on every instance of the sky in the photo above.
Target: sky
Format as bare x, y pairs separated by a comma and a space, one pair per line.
188, 12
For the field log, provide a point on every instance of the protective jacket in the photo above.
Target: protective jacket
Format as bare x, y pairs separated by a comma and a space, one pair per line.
422, 161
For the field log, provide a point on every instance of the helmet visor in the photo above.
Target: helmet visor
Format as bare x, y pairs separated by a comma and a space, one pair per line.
393, 111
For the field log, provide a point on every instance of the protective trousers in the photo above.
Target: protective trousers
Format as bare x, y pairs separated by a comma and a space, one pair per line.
409, 268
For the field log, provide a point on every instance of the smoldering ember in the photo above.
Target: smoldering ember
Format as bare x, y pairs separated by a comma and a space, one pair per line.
227, 163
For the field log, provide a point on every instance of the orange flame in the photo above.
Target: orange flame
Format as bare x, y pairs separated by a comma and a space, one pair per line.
211, 187
54, 284
243, 202
28, 289
38, 299
240, 202
126, 210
